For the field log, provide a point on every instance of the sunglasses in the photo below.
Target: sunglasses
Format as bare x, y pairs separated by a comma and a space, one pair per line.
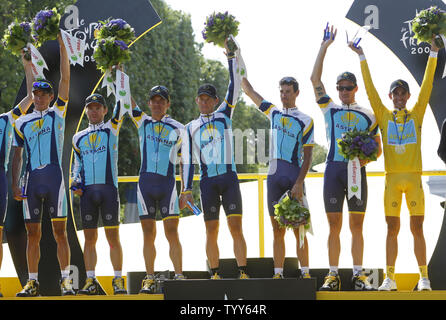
348, 88
162, 88
41, 85
288, 80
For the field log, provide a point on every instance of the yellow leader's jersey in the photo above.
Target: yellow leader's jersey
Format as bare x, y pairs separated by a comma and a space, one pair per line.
401, 129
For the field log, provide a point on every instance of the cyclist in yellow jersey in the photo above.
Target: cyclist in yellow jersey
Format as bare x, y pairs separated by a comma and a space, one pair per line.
401, 137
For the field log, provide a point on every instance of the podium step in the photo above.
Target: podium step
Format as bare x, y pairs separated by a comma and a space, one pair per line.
235, 289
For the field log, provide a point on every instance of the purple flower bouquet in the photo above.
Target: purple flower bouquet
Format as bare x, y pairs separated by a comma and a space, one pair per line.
116, 28
218, 27
46, 25
110, 52
16, 37
358, 144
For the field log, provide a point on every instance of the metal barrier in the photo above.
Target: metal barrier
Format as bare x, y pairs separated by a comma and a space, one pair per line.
260, 179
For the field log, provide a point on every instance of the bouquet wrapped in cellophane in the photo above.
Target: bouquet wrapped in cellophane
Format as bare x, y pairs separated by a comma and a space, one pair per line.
290, 213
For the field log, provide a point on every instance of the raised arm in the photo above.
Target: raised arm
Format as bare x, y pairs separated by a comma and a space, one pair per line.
316, 75
233, 92
28, 100
372, 93
428, 80
64, 84
116, 119
251, 93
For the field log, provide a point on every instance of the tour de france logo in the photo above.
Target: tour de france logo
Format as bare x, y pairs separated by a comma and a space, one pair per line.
407, 39
350, 119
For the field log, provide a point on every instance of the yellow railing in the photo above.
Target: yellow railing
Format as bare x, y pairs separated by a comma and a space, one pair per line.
260, 178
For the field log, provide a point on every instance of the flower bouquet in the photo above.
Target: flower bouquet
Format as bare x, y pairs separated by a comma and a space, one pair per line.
218, 27
16, 38
46, 25
116, 28
429, 22
290, 213
110, 52
358, 144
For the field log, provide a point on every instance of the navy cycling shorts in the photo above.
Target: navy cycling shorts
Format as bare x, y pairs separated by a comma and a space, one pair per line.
222, 189
45, 192
3, 196
281, 177
99, 199
335, 189
157, 192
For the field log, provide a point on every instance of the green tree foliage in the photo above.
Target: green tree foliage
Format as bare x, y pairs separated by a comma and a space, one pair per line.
168, 55
11, 67
319, 155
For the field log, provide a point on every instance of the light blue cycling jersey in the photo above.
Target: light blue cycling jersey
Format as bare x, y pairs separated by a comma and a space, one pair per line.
96, 152
159, 142
340, 119
210, 139
41, 133
6, 124
291, 130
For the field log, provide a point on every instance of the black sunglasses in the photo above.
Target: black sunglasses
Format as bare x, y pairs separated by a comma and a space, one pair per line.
348, 88
288, 80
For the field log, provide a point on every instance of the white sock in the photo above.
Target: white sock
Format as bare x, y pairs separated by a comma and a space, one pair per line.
357, 270
278, 270
32, 276
91, 274
118, 274
305, 270
334, 269
65, 273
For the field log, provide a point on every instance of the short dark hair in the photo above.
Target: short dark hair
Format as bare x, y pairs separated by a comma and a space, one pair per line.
289, 81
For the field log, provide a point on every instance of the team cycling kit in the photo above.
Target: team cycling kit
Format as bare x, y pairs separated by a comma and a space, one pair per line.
209, 140
95, 171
